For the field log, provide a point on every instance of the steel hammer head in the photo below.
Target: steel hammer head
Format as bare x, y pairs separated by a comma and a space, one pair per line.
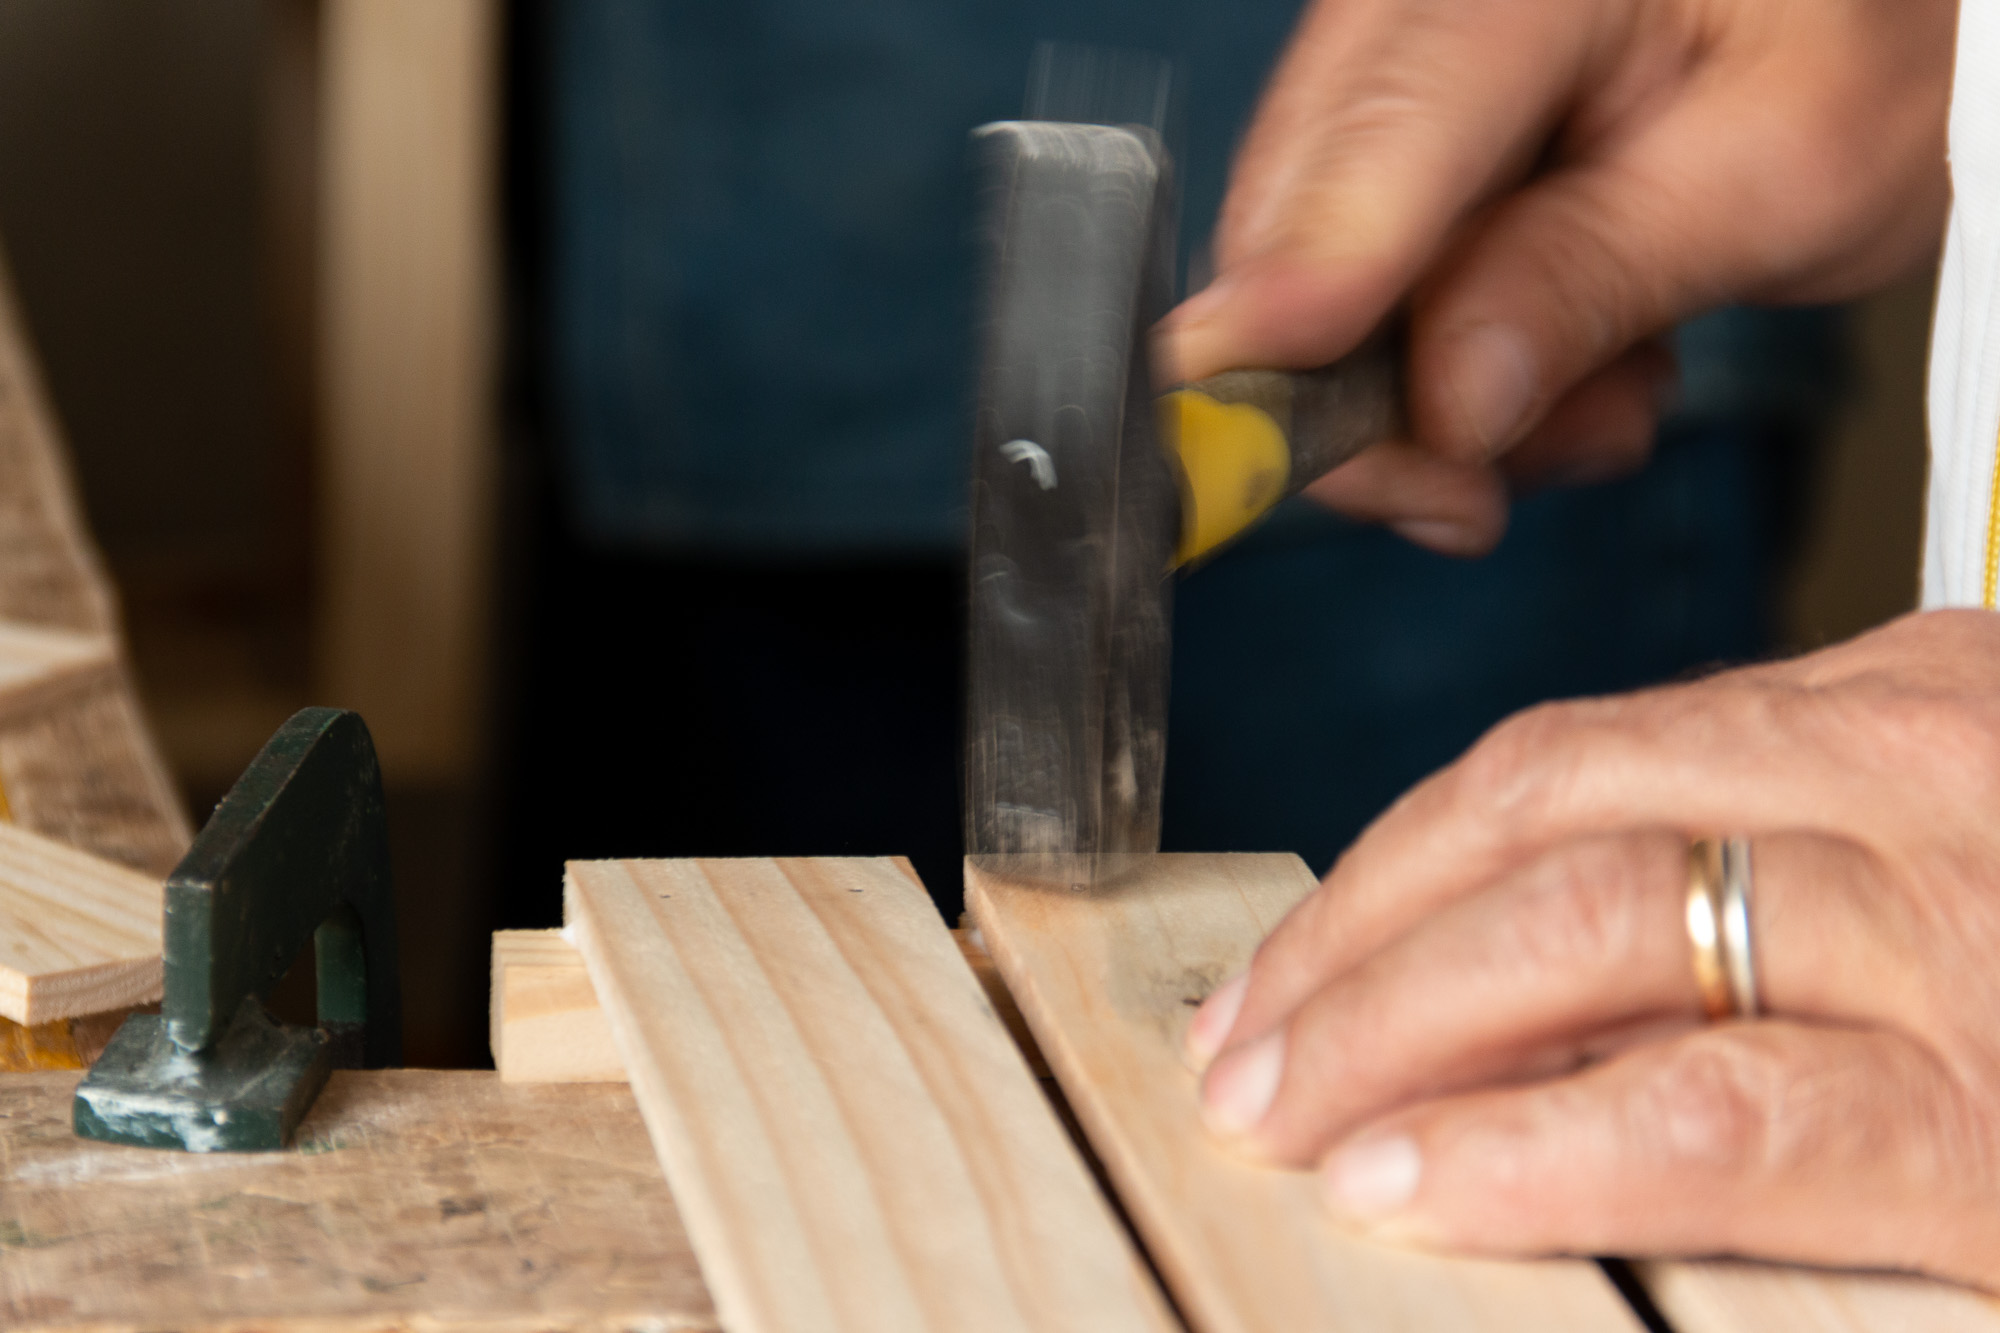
1075, 508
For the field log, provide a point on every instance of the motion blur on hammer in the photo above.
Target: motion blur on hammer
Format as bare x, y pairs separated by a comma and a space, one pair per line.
751, 258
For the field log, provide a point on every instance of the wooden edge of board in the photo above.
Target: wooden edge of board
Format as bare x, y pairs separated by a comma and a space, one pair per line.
79, 934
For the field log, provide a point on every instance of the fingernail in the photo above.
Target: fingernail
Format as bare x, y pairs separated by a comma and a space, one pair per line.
1211, 1024
1492, 378
1444, 537
1241, 1085
1373, 1179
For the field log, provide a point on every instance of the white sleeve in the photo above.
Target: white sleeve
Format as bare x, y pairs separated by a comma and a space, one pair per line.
1961, 521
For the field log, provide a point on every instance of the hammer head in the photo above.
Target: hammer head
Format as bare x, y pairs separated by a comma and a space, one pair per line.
1075, 507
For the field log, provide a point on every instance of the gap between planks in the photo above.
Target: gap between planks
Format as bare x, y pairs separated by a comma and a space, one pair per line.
854, 1141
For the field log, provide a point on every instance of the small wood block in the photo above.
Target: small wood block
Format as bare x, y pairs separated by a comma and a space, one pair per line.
853, 1139
78, 934
546, 1023
39, 666
415, 1201
1107, 980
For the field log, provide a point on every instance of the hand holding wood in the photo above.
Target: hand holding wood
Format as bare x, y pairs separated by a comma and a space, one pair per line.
1485, 1027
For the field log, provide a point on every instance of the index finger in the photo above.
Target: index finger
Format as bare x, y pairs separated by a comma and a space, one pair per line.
1755, 752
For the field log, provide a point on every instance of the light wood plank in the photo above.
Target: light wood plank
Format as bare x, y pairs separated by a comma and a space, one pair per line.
77, 761
78, 934
1107, 981
39, 667
854, 1141
1728, 1297
407, 336
416, 1201
83, 768
546, 1023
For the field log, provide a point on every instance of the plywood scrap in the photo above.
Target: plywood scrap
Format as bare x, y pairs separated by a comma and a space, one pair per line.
546, 1023
78, 934
415, 1201
1728, 1297
1107, 981
40, 666
854, 1141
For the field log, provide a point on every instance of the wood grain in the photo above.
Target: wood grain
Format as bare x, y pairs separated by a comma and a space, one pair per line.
854, 1141
415, 1202
546, 1026
78, 934
1107, 981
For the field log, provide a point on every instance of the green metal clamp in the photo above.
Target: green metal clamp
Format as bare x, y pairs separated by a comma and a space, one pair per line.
297, 851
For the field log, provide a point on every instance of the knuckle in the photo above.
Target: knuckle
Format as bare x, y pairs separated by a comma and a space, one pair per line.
1584, 909
1715, 1103
1952, 740
1519, 766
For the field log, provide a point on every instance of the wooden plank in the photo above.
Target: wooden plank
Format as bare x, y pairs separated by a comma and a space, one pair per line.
1107, 981
1728, 1297
416, 1201
50, 574
40, 666
76, 759
546, 1023
854, 1141
83, 769
78, 934
407, 307
546, 1026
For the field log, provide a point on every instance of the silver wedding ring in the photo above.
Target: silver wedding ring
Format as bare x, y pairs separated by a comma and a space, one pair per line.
1718, 927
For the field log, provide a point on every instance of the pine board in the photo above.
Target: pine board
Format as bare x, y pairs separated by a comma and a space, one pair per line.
416, 1201
854, 1141
80, 763
1107, 981
76, 760
78, 934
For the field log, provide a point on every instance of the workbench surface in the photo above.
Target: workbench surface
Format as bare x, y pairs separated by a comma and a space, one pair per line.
414, 1200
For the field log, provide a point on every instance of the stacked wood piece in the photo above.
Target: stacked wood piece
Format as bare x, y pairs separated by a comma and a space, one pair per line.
77, 763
